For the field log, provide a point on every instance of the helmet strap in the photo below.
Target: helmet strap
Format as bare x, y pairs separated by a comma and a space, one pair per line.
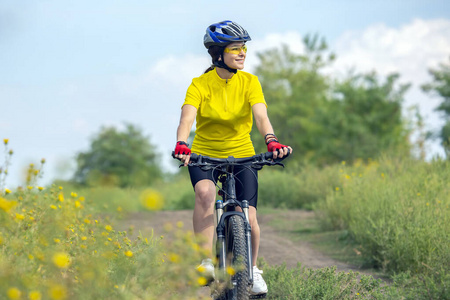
222, 64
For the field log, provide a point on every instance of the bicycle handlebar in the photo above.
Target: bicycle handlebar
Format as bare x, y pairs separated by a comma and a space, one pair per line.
261, 159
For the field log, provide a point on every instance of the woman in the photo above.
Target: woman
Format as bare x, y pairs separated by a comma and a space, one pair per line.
223, 102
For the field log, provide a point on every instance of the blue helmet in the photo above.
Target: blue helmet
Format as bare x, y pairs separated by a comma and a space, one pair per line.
224, 33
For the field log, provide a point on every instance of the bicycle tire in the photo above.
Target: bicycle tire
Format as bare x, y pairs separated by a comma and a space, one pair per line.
237, 248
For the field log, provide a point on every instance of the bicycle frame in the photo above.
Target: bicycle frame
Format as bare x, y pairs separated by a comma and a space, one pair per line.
225, 208
226, 214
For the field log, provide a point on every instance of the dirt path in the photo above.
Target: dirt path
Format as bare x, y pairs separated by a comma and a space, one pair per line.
275, 248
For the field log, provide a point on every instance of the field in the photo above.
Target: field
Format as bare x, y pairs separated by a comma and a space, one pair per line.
68, 242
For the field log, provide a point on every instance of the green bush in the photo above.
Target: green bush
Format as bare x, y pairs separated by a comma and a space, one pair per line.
296, 186
398, 211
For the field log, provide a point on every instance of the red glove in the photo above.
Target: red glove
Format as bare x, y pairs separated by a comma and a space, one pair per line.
182, 148
274, 146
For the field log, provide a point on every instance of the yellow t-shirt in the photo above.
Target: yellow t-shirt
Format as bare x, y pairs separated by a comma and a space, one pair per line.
224, 113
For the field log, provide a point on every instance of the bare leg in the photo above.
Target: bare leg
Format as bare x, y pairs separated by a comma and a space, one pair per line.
203, 219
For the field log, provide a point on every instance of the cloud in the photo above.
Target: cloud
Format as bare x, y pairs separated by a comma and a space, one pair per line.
275, 40
409, 50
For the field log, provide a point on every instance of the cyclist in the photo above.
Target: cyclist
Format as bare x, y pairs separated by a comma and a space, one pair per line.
223, 102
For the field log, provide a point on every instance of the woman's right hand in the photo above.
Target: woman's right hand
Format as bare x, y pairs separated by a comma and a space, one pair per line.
182, 152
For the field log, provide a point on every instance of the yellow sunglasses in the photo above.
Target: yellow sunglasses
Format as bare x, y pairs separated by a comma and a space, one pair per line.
236, 50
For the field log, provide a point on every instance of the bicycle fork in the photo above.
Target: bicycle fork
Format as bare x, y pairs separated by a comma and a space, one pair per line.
220, 219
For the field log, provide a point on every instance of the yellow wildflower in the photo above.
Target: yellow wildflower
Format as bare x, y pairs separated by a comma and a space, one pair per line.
57, 241
108, 227
151, 199
61, 260
58, 292
40, 188
337, 189
7, 205
83, 238
20, 216
231, 271
73, 194
53, 207
175, 258
202, 281
35, 295
77, 204
29, 187
61, 197
7, 191
180, 224
43, 161
5, 141
14, 293
128, 253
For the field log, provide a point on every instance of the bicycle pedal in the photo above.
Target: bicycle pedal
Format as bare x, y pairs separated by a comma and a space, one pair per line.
260, 296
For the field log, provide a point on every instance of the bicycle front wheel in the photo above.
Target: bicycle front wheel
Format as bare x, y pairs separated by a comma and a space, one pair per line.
237, 249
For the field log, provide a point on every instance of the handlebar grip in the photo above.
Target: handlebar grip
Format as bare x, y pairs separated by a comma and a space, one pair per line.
194, 156
269, 155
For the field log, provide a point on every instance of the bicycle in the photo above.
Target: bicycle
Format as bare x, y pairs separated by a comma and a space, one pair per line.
233, 239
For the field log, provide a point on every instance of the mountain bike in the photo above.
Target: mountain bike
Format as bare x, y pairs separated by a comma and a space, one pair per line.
233, 239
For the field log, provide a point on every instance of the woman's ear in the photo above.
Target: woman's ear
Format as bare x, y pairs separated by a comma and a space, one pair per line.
220, 58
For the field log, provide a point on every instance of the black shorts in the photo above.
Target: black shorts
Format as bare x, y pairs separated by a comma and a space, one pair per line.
245, 177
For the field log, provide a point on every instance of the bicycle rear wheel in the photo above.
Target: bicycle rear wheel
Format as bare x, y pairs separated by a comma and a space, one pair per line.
238, 257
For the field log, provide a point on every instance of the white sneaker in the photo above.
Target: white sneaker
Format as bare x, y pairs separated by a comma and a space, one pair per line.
259, 285
207, 269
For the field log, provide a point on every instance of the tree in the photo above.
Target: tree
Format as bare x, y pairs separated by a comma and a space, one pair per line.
365, 118
441, 86
123, 159
295, 91
325, 119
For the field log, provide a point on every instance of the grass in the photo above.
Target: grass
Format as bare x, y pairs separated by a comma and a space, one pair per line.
398, 211
395, 212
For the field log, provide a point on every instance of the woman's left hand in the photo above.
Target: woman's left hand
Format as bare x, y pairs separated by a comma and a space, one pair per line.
279, 150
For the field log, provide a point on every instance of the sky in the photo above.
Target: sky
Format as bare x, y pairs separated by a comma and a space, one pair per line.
67, 68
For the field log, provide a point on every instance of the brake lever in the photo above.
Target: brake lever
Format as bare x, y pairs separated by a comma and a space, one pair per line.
275, 163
